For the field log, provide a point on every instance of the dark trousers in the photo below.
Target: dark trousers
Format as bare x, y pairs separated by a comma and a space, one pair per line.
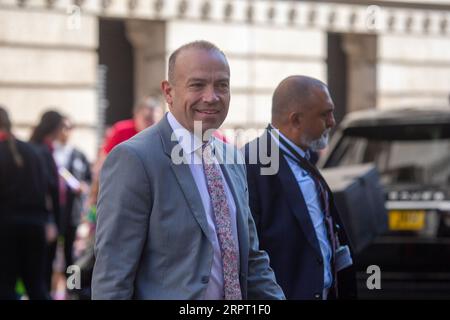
68, 232
50, 254
69, 238
22, 255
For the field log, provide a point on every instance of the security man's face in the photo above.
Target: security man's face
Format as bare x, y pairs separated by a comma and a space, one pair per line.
317, 120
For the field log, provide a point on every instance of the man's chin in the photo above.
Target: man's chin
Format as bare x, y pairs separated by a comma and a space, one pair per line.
210, 124
317, 148
318, 145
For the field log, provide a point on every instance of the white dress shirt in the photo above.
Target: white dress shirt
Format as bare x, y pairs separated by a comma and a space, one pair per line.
61, 154
192, 148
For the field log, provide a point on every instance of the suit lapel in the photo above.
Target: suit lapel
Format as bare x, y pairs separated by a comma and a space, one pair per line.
184, 178
295, 199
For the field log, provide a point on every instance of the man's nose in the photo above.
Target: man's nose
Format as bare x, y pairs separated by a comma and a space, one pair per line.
210, 95
331, 121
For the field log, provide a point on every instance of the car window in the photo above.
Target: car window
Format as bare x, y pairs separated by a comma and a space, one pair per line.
402, 154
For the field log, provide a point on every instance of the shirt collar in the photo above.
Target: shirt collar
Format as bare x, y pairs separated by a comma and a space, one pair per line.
62, 148
188, 141
292, 144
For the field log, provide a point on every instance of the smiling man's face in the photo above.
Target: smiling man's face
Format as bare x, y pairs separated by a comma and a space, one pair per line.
200, 90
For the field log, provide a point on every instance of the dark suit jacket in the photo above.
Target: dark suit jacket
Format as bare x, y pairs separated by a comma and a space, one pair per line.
285, 229
23, 189
79, 167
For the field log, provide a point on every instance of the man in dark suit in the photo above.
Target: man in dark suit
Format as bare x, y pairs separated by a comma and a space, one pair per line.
296, 219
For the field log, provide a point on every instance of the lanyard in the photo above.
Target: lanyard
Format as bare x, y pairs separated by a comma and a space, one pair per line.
301, 161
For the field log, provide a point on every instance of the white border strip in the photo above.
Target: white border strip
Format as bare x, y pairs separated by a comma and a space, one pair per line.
401, 205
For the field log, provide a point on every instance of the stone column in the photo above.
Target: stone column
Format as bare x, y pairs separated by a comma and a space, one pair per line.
361, 52
148, 39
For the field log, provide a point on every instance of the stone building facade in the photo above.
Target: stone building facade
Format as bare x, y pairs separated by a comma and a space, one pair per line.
92, 59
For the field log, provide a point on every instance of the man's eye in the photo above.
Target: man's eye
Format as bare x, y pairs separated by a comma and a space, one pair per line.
223, 86
196, 85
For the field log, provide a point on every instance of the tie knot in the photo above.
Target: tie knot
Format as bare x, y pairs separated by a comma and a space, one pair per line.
208, 153
206, 145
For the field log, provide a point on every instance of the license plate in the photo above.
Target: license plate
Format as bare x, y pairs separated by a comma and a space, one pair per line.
406, 220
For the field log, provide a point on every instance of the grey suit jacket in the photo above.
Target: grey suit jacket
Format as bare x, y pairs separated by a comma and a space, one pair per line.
152, 238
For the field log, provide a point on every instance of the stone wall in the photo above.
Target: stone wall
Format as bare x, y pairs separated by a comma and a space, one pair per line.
49, 52
413, 71
45, 63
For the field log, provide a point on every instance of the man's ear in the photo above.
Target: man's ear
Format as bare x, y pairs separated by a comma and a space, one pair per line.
295, 119
166, 89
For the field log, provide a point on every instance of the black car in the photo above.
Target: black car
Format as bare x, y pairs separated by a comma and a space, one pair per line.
411, 150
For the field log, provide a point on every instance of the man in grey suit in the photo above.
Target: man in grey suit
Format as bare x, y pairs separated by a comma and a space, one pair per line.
173, 216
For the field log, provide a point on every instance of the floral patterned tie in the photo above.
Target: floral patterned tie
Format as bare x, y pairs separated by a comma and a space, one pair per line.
216, 189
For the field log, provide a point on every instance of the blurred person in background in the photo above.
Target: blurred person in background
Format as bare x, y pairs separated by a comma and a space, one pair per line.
43, 137
146, 112
23, 215
75, 177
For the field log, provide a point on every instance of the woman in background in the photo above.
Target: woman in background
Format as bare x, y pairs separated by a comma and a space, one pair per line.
43, 136
75, 173
23, 215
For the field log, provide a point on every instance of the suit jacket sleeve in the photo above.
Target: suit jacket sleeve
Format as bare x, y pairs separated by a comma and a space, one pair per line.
123, 214
261, 282
254, 201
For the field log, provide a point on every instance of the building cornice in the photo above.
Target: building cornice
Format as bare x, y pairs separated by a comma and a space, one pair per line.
336, 16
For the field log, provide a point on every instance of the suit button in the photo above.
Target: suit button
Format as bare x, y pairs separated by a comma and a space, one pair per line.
317, 296
205, 279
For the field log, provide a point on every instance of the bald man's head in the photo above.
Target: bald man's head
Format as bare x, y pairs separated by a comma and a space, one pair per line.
302, 109
293, 94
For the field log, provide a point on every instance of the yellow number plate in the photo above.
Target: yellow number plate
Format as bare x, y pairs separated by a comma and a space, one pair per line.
406, 220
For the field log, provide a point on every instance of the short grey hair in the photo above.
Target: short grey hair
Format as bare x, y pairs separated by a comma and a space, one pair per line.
199, 44
293, 92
